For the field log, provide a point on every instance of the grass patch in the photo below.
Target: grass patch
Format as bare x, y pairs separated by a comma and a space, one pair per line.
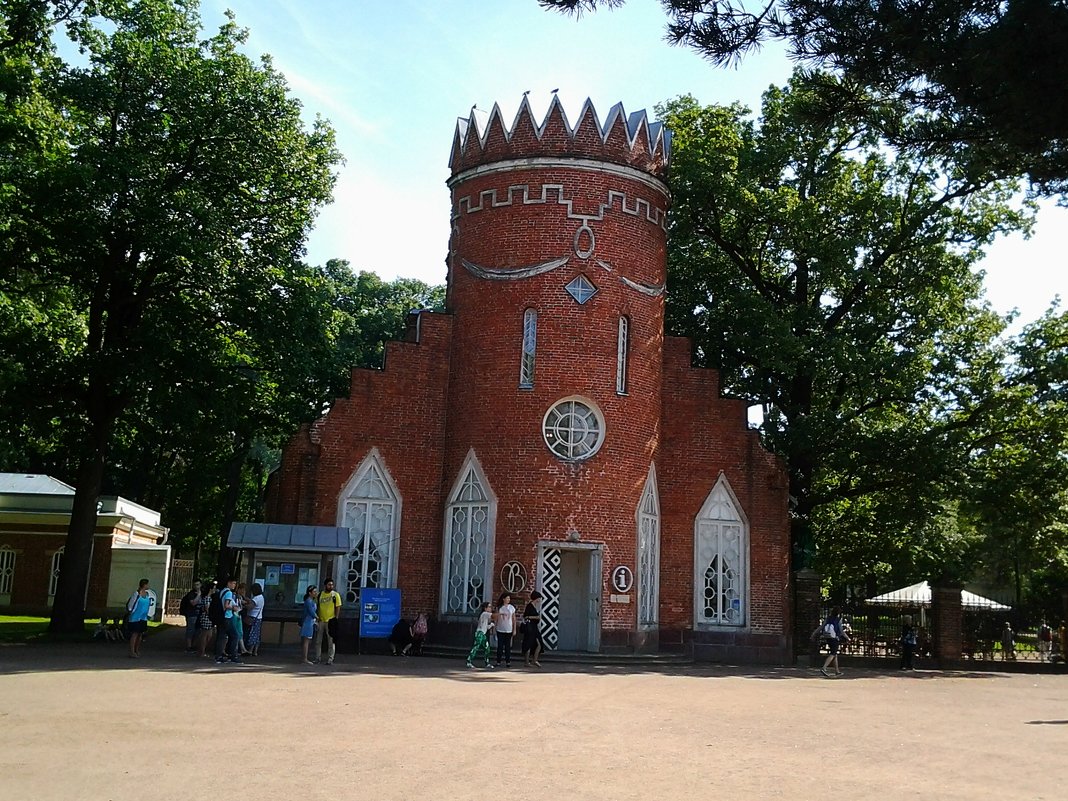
25, 629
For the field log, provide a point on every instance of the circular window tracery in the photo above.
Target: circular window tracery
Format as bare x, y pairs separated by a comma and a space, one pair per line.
573, 429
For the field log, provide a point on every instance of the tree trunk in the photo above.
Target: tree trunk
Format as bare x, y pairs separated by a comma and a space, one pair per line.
227, 557
68, 607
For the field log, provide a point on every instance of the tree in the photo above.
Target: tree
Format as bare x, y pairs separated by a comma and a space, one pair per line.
989, 74
200, 450
830, 280
1017, 491
187, 179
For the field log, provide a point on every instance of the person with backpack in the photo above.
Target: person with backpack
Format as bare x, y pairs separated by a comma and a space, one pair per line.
187, 608
835, 637
419, 631
137, 617
222, 611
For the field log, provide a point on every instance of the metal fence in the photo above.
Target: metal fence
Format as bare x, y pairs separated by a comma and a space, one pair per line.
875, 631
990, 631
180, 581
985, 638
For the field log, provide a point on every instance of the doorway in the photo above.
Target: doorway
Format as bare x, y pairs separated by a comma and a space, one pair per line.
571, 583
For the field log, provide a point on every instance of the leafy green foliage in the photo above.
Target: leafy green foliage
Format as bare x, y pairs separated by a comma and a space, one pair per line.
1017, 494
831, 280
989, 76
171, 204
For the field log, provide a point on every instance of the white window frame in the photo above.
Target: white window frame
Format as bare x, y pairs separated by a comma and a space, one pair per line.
470, 466
648, 551
601, 433
373, 463
622, 352
53, 572
530, 345
721, 508
8, 558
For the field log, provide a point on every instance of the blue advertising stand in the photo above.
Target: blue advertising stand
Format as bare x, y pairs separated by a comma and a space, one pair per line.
380, 609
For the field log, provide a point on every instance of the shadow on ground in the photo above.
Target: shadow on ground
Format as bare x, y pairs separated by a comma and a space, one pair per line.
164, 652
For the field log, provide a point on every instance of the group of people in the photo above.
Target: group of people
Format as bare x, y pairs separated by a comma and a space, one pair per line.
836, 632
408, 635
226, 618
322, 610
504, 624
318, 628
1044, 638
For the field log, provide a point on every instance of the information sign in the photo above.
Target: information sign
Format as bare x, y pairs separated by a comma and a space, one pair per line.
380, 609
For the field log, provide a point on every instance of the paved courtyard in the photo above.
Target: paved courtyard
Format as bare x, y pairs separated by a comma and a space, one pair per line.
85, 722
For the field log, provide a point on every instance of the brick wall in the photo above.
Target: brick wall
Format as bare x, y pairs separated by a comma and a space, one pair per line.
35, 546
399, 411
705, 434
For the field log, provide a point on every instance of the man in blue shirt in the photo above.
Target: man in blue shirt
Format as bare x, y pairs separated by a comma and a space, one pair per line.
226, 638
137, 620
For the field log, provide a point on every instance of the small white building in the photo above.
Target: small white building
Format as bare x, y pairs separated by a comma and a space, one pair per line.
129, 544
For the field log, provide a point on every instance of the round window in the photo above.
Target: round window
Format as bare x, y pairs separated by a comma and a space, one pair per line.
573, 429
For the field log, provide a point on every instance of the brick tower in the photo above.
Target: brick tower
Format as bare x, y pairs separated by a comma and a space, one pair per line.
558, 246
543, 433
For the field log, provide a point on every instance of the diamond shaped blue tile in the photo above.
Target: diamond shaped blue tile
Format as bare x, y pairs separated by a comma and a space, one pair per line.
581, 289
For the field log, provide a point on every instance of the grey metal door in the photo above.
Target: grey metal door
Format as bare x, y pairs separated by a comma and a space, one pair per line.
574, 625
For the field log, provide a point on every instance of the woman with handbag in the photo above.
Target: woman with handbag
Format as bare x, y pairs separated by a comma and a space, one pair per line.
533, 644
255, 619
307, 626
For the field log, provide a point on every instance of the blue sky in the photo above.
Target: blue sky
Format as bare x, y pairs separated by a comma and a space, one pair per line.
393, 77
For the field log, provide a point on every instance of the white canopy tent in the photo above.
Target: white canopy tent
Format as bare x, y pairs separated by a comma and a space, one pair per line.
919, 595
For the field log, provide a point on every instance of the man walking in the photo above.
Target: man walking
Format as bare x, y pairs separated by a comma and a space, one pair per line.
226, 638
328, 614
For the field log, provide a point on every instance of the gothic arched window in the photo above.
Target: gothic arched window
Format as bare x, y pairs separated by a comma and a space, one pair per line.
622, 348
649, 553
530, 343
469, 528
721, 557
369, 506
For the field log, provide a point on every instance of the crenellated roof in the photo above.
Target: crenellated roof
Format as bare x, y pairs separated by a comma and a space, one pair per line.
483, 138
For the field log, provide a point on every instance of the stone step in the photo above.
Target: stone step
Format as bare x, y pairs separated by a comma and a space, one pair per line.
572, 657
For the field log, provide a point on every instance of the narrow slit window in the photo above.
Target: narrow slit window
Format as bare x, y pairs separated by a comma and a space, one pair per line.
622, 346
530, 341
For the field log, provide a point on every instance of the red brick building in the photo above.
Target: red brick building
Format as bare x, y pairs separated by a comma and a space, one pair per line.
544, 433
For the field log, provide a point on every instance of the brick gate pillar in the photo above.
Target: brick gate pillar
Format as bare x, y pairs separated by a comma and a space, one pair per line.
808, 607
947, 641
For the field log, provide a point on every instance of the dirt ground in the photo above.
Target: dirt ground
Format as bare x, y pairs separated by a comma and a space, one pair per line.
85, 722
